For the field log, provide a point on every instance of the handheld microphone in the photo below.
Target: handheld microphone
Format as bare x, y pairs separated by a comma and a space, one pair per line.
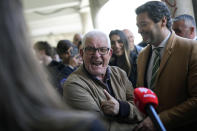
146, 101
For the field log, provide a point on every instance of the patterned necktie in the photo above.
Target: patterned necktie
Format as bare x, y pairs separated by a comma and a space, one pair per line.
155, 68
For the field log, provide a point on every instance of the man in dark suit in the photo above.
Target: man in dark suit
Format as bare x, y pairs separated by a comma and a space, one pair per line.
168, 66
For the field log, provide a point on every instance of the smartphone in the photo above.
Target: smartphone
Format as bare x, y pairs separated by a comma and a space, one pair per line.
74, 51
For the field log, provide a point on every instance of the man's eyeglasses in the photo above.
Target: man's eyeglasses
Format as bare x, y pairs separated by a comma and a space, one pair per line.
114, 42
92, 50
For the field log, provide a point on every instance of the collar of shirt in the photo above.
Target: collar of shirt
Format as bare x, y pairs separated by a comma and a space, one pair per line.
107, 75
162, 45
106, 81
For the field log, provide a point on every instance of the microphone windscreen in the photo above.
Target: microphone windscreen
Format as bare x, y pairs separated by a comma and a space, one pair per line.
144, 96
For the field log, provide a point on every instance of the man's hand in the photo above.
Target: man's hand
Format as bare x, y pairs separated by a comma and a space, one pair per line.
73, 61
146, 125
111, 106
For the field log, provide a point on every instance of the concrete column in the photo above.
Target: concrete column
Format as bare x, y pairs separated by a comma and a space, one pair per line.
178, 7
95, 6
86, 21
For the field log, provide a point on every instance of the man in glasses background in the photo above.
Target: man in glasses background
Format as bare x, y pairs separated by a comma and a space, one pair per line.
99, 88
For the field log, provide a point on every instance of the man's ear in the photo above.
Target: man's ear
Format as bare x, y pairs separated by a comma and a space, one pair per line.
81, 52
164, 21
110, 52
192, 30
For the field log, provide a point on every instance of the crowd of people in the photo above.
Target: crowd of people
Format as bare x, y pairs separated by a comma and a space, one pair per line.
87, 84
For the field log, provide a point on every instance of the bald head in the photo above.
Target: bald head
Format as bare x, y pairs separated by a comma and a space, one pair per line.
77, 38
130, 37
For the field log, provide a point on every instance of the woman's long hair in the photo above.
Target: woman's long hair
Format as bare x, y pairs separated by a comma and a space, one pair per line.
28, 102
126, 48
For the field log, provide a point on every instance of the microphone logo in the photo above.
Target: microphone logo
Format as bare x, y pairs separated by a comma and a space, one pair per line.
149, 95
143, 90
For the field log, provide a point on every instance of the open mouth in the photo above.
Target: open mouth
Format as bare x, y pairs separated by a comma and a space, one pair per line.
97, 63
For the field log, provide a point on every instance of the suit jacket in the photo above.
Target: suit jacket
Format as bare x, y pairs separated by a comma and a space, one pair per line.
176, 82
82, 92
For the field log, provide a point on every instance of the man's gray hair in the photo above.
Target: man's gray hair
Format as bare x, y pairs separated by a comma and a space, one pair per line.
188, 19
94, 34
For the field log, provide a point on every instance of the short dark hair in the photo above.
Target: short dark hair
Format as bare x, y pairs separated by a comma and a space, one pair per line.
63, 46
156, 11
189, 20
43, 45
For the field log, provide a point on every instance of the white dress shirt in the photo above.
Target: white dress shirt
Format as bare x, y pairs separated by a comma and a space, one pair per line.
150, 66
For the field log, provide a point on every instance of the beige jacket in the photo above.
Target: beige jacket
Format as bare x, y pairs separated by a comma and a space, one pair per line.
84, 93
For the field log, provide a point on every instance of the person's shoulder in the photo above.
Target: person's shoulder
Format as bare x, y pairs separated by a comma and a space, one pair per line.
75, 73
53, 63
142, 44
115, 70
78, 75
77, 81
138, 48
118, 75
58, 65
185, 41
143, 49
